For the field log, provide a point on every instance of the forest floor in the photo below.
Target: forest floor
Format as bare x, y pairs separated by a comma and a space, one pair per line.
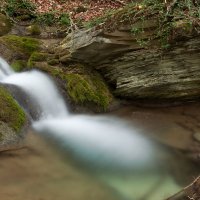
80, 9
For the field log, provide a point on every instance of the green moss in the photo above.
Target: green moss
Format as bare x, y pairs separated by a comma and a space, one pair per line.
53, 62
5, 24
20, 44
10, 112
34, 29
36, 57
88, 89
16, 8
84, 86
19, 65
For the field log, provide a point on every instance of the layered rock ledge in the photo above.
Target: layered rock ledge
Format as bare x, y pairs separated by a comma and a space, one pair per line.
136, 71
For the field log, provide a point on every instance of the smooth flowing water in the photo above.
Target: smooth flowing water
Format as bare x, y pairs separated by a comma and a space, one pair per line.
42, 90
82, 156
113, 142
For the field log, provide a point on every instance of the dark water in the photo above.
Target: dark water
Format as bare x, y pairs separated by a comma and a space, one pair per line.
40, 172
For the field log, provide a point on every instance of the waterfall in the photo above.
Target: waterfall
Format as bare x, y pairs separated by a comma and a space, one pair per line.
103, 142
5, 69
42, 90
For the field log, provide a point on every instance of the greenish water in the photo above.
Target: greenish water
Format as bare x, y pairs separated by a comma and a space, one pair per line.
150, 186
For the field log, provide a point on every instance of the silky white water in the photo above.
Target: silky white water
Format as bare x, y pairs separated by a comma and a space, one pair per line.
5, 69
42, 90
100, 141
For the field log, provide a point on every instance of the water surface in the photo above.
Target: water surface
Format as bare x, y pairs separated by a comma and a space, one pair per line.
41, 172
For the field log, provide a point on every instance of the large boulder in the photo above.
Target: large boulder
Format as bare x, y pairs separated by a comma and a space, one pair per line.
136, 71
13, 47
154, 74
13, 121
97, 46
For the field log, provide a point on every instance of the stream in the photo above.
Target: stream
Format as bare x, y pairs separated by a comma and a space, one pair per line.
132, 153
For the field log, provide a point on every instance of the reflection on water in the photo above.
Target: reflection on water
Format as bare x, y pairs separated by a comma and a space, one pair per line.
40, 172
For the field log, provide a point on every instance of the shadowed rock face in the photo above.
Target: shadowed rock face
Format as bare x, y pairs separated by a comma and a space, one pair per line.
13, 121
155, 74
136, 72
25, 101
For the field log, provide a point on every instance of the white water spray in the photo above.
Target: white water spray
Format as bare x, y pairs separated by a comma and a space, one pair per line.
100, 141
42, 90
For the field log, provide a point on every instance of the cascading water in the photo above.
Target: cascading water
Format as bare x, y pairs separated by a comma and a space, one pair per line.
105, 144
42, 90
5, 69
100, 141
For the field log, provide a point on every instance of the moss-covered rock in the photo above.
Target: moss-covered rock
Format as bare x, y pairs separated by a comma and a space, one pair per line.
33, 29
24, 46
18, 65
5, 25
86, 89
10, 112
83, 85
36, 57
53, 62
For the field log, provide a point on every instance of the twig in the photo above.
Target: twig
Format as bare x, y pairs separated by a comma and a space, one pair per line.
192, 192
170, 8
73, 27
119, 1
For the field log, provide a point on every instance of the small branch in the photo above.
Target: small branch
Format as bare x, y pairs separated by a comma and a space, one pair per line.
192, 192
119, 1
73, 27
170, 7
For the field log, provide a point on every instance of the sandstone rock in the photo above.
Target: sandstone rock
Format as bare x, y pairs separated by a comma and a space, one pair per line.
155, 74
96, 46
138, 72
